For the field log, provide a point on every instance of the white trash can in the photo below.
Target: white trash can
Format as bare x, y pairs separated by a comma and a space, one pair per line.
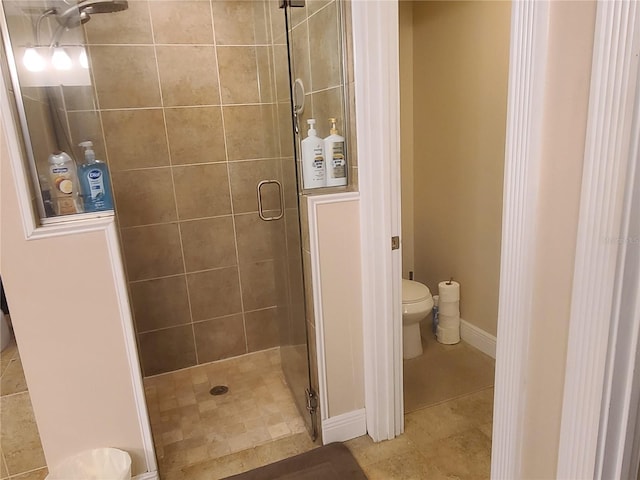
98, 464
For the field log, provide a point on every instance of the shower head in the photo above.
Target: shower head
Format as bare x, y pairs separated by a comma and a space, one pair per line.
81, 12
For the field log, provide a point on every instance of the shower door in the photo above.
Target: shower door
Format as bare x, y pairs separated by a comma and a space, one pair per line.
314, 49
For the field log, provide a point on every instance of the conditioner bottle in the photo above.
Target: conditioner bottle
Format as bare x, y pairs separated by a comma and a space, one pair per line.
335, 156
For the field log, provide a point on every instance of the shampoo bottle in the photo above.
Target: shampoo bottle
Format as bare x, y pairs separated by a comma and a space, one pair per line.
336, 160
313, 162
63, 182
94, 182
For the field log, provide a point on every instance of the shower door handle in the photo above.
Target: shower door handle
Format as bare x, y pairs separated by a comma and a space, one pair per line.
259, 191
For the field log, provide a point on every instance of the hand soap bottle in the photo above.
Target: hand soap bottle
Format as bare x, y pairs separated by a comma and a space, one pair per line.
335, 156
94, 182
313, 162
63, 181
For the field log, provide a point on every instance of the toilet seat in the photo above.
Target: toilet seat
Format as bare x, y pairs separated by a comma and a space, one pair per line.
414, 292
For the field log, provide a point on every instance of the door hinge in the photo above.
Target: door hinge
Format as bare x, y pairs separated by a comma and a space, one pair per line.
395, 243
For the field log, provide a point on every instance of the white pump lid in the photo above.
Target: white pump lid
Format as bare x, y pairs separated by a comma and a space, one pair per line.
312, 127
414, 291
89, 154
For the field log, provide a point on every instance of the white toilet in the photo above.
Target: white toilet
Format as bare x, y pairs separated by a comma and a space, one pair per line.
417, 303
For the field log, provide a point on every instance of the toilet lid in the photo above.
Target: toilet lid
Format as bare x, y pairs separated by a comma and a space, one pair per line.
414, 291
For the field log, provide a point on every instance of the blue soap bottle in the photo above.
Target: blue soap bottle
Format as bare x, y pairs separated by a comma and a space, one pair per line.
95, 183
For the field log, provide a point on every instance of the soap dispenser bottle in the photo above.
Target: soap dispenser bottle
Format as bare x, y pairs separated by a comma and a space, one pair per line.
313, 162
94, 181
63, 181
336, 159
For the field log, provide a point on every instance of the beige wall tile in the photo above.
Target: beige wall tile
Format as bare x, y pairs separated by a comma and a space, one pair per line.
266, 82
245, 177
276, 19
239, 23
144, 197
80, 97
195, 135
326, 62
220, 338
132, 25
297, 15
135, 139
328, 104
289, 183
258, 285
262, 329
202, 191
152, 251
281, 72
188, 75
208, 243
86, 126
285, 126
125, 76
238, 74
160, 303
20, 439
249, 131
167, 350
214, 293
184, 21
3, 468
300, 54
257, 239
314, 5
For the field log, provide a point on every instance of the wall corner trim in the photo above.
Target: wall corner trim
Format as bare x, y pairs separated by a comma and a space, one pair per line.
602, 214
527, 74
344, 427
478, 338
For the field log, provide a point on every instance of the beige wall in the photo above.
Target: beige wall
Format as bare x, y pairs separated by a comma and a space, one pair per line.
341, 281
405, 19
565, 112
68, 327
460, 62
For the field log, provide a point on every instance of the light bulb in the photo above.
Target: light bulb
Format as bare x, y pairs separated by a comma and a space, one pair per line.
32, 60
61, 59
84, 61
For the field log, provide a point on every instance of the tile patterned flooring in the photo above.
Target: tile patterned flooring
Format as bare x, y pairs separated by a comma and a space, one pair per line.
21, 455
201, 437
190, 425
448, 439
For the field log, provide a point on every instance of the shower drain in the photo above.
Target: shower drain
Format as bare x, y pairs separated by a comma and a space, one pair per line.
219, 390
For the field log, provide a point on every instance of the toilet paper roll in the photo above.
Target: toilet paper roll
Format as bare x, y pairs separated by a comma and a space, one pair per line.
449, 308
449, 292
448, 336
447, 321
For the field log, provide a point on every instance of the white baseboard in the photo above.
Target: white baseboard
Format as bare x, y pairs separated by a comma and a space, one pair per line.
344, 427
147, 476
478, 338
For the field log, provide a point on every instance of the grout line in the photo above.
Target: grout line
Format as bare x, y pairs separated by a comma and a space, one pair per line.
173, 183
158, 167
176, 107
16, 476
226, 149
179, 45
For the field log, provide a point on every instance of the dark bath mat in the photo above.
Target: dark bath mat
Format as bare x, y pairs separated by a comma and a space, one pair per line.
333, 462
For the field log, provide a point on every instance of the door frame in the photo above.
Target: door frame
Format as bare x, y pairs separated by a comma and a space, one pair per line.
376, 73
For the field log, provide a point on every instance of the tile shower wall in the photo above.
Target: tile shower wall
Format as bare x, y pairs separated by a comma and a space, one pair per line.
186, 97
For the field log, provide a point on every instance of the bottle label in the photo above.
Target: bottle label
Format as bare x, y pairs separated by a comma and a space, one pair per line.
96, 184
318, 163
338, 162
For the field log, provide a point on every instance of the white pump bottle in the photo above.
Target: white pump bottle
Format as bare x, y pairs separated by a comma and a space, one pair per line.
313, 162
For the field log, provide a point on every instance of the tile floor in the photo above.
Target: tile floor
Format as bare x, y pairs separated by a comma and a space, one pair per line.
450, 438
21, 455
190, 425
444, 372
